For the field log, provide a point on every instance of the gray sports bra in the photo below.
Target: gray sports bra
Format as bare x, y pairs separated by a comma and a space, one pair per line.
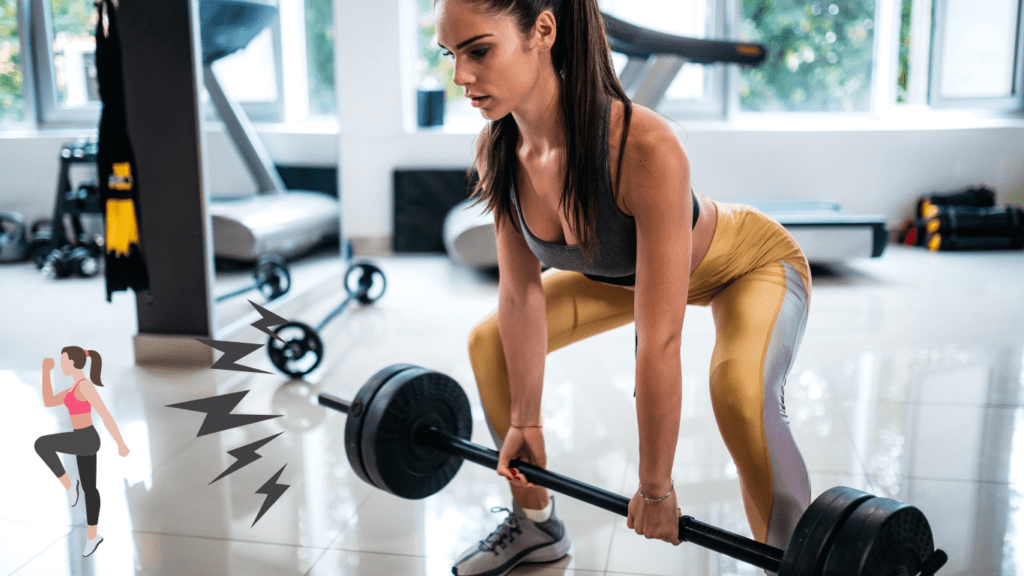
616, 233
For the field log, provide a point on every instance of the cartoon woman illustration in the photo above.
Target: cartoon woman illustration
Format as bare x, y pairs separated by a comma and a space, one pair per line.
83, 441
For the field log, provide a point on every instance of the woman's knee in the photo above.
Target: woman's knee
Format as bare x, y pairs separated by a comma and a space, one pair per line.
737, 401
42, 446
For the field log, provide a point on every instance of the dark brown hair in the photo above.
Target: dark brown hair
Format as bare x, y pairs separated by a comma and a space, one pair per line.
582, 57
77, 356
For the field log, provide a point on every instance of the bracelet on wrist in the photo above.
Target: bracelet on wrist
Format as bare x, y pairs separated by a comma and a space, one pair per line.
527, 426
654, 500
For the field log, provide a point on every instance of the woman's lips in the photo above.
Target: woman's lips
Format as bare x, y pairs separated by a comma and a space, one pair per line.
480, 100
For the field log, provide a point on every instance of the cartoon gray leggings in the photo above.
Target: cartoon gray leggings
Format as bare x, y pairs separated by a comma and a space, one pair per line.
84, 443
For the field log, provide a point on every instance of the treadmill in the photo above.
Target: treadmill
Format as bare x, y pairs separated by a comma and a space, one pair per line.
275, 220
823, 231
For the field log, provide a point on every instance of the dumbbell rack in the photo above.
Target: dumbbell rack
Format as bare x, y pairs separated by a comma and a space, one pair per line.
72, 204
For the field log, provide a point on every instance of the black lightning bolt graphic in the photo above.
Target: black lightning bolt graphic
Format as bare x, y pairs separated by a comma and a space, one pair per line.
245, 455
218, 412
268, 321
232, 351
273, 490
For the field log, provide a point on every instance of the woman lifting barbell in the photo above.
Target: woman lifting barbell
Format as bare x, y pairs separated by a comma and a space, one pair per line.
639, 250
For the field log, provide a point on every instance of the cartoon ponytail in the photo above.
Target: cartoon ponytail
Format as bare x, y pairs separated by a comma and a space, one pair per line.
79, 355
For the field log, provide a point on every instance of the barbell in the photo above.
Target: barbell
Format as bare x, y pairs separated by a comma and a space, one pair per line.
408, 431
296, 348
270, 277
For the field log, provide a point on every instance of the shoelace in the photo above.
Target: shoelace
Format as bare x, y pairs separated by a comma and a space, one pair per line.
503, 534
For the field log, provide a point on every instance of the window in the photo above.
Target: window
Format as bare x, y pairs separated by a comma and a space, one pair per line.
820, 56
978, 53
64, 50
12, 100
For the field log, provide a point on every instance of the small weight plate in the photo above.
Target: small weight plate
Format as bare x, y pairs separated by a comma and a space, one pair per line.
817, 528
357, 414
391, 455
272, 280
300, 352
882, 537
366, 281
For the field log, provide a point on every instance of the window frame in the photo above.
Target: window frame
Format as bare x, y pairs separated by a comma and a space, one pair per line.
1009, 104
49, 112
40, 74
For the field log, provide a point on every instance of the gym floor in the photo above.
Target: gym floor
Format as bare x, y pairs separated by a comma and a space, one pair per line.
908, 385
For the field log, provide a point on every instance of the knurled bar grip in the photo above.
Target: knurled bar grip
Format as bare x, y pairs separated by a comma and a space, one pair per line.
690, 530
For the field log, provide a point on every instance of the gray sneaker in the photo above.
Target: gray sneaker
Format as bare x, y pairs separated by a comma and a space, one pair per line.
516, 540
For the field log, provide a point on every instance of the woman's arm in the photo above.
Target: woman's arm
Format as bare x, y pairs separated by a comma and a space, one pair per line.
522, 324
49, 398
93, 397
659, 180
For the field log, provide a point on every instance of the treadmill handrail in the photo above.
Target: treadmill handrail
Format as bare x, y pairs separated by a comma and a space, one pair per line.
634, 40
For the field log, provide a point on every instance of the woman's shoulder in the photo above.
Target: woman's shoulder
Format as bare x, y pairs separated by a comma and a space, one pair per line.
648, 130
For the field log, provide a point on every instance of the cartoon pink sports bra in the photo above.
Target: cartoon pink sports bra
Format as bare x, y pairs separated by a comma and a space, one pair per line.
76, 406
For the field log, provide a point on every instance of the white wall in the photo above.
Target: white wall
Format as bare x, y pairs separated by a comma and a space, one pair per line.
870, 166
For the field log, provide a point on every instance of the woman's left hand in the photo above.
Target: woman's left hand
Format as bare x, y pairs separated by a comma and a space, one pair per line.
655, 519
122, 450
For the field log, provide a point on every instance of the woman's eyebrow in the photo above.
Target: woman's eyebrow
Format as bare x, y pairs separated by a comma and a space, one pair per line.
465, 42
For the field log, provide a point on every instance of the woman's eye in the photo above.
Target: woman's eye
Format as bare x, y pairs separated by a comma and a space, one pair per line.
446, 53
479, 53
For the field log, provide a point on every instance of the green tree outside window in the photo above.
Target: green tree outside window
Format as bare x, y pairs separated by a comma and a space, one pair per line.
819, 55
12, 103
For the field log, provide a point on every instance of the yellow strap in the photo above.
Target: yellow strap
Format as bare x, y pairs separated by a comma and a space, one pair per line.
122, 229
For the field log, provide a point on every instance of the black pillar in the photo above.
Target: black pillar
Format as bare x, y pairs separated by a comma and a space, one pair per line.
161, 55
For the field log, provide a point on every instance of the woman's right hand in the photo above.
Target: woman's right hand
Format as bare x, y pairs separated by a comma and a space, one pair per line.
525, 444
47, 364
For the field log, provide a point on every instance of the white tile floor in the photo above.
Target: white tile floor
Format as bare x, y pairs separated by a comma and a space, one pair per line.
908, 385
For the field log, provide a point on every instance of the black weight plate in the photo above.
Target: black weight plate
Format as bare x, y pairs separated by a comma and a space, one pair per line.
365, 281
393, 459
880, 538
357, 414
299, 353
818, 527
273, 280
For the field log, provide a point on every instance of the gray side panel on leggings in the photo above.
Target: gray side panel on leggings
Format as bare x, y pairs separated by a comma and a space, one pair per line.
792, 489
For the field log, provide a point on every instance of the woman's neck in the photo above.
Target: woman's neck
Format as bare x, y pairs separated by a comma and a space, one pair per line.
539, 117
78, 375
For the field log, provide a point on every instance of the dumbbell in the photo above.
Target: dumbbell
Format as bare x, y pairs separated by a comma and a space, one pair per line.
42, 242
408, 431
296, 349
69, 260
271, 278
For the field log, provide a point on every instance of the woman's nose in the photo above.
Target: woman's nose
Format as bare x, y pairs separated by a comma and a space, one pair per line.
461, 76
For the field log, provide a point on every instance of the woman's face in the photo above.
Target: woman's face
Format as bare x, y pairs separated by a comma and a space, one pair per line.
65, 364
494, 64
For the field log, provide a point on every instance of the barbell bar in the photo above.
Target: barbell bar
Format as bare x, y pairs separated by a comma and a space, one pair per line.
408, 431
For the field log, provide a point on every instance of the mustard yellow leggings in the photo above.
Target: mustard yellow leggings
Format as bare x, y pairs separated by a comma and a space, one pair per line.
757, 282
